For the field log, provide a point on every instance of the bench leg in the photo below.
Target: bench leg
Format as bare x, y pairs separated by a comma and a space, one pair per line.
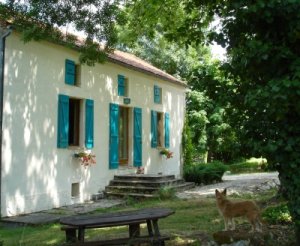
157, 234
81, 234
71, 236
149, 227
134, 231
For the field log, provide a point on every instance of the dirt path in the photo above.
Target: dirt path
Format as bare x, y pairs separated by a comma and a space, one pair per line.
242, 183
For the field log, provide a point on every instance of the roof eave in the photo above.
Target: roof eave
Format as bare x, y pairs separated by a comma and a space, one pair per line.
139, 69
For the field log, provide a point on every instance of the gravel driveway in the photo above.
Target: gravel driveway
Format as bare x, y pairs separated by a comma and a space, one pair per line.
237, 184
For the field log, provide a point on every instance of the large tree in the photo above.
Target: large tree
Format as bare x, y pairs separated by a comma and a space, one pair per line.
262, 39
55, 20
207, 107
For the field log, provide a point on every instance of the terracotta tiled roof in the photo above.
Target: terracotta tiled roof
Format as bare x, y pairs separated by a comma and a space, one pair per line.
128, 60
132, 61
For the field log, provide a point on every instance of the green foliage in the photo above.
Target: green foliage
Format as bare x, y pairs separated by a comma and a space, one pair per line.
130, 200
204, 173
261, 38
278, 214
207, 109
250, 166
210, 113
166, 193
187, 144
40, 20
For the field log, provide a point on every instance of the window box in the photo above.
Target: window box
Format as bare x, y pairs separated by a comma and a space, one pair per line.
86, 158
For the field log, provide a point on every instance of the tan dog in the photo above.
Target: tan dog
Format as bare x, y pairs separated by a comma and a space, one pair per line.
229, 210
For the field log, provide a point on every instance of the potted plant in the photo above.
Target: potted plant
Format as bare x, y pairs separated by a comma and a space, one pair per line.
140, 170
167, 153
86, 158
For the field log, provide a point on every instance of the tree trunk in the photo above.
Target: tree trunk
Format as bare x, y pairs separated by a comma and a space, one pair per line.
297, 234
205, 157
210, 156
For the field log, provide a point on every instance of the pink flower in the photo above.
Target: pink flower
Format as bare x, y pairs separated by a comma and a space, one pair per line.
166, 153
86, 159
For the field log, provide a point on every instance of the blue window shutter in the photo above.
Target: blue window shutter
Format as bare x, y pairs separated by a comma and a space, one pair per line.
137, 156
157, 94
167, 130
63, 122
89, 124
70, 72
113, 136
153, 129
121, 85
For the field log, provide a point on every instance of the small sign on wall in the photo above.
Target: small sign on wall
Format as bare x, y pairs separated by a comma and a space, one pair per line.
127, 100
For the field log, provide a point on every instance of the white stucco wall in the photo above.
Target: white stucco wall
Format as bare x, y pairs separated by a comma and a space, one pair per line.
36, 175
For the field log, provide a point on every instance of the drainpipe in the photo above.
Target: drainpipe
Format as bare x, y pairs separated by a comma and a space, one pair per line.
3, 34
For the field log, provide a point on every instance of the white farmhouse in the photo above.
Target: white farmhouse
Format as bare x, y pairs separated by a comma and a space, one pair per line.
122, 111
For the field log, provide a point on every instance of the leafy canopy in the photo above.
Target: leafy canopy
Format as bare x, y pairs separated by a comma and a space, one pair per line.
43, 20
262, 40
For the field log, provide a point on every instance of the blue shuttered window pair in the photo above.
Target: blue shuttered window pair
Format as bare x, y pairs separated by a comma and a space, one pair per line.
114, 136
63, 122
154, 130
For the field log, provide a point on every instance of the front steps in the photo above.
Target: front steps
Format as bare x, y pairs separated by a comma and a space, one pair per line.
143, 185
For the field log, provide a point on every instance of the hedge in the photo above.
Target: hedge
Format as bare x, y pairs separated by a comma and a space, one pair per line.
202, 173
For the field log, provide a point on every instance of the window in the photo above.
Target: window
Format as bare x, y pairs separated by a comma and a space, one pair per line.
157, 94
123, 135
160, 129
122, 86
71, 120
72, 73
74, 122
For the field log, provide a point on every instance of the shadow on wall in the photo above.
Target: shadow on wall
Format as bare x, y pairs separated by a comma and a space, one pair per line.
32, 172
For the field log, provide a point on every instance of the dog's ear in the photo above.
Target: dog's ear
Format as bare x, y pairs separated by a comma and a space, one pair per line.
224, 191
217, 192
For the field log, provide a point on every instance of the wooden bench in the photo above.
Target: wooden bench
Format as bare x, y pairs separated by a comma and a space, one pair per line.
75, 227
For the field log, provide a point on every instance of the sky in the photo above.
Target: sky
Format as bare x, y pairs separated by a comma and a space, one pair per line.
218, 51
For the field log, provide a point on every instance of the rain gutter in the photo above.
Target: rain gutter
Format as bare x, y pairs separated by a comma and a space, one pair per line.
3, 35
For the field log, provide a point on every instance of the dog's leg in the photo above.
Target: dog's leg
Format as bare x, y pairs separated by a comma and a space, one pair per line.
226, 223
232, 224
253, 225
258, 225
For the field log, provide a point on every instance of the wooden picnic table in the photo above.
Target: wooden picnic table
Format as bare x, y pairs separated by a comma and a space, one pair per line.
132, 219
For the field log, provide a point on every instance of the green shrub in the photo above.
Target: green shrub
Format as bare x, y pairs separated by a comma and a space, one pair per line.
250, 166
204, 173
187, 146
166, 193
277, 214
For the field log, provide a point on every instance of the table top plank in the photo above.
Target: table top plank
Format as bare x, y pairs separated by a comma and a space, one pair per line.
117, 218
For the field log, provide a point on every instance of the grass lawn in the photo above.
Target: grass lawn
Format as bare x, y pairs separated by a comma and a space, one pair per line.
191, 218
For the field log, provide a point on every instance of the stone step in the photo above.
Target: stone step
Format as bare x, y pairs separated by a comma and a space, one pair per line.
131, 189
134, 195
185, 186
145, 183
152, 177
111, 190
